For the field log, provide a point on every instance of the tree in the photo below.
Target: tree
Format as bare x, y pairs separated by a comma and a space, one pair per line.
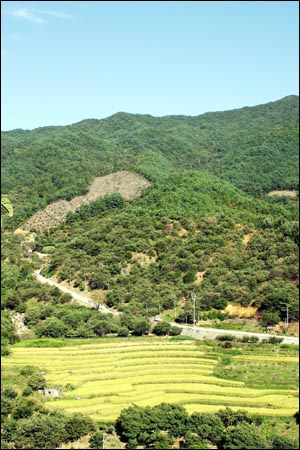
52, 327
284, 443
134, 422
36, 381
269, 318
159, 441
162, 328
245, 436
175, 331
207, 426
192, 441
96, 440
141, 327
78, 425
39, 431
232, 418
171, 418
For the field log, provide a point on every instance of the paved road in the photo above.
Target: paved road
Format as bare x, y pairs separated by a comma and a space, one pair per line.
196, 332
82, 299
212, 333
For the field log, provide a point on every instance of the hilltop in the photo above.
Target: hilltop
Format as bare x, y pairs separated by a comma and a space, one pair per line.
255, 148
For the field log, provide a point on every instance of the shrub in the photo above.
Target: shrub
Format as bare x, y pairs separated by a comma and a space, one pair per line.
244, 436
283, 442
225, 337
27, 391
162, 328
175, 331
96, 440
27, 370
37, 381
274, 340
78, 425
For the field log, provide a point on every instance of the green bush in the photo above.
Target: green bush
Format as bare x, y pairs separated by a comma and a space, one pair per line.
225, 337
162, 328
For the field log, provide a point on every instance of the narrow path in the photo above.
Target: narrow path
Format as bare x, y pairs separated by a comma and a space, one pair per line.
82, 299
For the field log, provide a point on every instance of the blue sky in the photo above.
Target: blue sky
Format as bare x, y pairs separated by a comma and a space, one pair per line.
64, 61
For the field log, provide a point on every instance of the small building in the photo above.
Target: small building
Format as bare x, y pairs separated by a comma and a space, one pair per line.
53, 392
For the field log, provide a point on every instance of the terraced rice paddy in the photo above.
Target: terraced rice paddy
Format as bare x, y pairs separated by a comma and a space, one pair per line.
110, 376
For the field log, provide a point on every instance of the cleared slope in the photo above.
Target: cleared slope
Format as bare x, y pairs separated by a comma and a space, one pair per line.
127, 184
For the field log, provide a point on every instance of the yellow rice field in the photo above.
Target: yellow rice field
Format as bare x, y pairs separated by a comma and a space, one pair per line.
110, 376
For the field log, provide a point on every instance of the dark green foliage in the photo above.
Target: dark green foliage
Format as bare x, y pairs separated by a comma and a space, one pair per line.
123, 332
141, 327
284, 443
226, 337
186, 223
24, 409
254, 148
52, 327
175, 331
96, 440
28, 370
162, 328
133, 422
171, 418
27, 391
157, 440
78, 425
269, 318
192, 441
232, 418
243, 436
207, 426
163, 424
36, 381
39, 431
8, 392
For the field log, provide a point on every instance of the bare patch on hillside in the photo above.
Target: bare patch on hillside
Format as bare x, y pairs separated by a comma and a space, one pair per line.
246, 312
142, 259
199, 277
283, 193
247, 238
129, 185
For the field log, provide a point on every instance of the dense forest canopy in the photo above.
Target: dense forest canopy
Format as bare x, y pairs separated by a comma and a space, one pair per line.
255, 148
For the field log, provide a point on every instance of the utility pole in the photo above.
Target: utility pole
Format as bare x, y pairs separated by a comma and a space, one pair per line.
287, 319
194, 307
103, 440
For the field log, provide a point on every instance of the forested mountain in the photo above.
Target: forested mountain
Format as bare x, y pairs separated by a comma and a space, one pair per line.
190, 232
203, 226
255, 148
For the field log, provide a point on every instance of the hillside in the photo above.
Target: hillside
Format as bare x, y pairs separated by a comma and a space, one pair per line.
204, 222
254, 148
190, 232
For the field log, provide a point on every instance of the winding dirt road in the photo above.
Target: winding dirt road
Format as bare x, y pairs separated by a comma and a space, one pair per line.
82, 299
